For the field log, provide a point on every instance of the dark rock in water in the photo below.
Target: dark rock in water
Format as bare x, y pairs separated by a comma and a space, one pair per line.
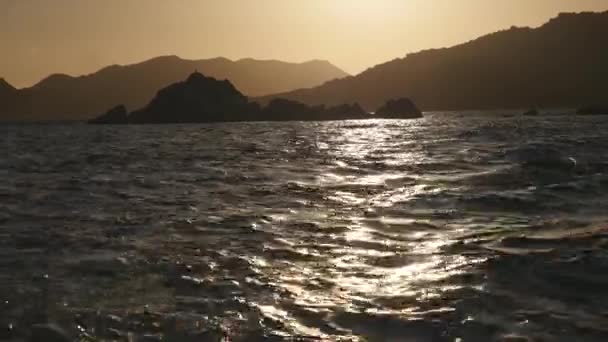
531, 112
67, 98
287, 110
116, 115
198, 99
48, 333
595, 110
202, 99
347, 112
399, 109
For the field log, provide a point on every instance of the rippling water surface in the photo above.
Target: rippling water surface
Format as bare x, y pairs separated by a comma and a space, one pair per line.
448, 228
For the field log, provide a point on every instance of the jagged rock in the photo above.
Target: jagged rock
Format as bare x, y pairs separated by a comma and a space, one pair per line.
531, 112
204, 99
198, 99
347, 112
398, 109
287, 110
80, 98
116, 115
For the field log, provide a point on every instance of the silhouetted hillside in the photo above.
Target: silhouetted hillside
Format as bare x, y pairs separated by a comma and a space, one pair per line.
563, 63
7, 93
400, 108
201, 99
62, 97
5, 87
198, 99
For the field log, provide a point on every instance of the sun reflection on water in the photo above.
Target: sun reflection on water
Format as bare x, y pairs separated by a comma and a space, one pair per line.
378, 257
422, 230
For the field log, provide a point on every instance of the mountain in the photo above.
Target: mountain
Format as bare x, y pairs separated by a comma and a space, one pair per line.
563, 63
6, 90
399, 109
7, 93
197, 99
63, 97
201, 99
5, 87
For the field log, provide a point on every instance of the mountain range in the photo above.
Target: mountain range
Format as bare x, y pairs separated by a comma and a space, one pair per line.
202, 99
563, 63
63, 97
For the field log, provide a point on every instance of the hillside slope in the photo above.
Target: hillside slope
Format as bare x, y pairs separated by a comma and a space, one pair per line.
63, 97
563, 63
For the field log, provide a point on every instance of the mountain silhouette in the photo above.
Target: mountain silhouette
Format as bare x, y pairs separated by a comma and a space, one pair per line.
5, 87
63, 97
197, 99
399, 109
563, 63
7, 93
201, 99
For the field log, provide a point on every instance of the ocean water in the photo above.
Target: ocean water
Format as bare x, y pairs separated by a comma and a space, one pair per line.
448, 228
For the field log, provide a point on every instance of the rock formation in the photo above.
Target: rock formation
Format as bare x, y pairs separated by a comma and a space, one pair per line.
202, 99
286, 110
198, 99
64, 97
398, 109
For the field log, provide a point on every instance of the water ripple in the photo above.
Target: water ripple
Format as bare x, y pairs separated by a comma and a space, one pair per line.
442, 229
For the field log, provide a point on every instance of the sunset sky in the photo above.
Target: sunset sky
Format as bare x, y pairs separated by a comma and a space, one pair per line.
39, 37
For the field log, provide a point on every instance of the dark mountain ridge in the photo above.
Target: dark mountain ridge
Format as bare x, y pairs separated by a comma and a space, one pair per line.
563, 63
201, 99
6, 87
63, 97
7, 92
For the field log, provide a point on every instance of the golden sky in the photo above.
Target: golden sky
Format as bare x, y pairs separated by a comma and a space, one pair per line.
39, 37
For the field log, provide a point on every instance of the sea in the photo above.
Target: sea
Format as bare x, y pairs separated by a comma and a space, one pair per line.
455, 227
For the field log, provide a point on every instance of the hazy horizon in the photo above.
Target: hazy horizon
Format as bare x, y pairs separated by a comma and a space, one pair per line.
80, 37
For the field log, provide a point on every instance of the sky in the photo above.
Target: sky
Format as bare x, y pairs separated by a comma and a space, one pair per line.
41, 37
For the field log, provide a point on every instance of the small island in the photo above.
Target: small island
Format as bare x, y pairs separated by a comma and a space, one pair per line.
201, 99
399, 109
